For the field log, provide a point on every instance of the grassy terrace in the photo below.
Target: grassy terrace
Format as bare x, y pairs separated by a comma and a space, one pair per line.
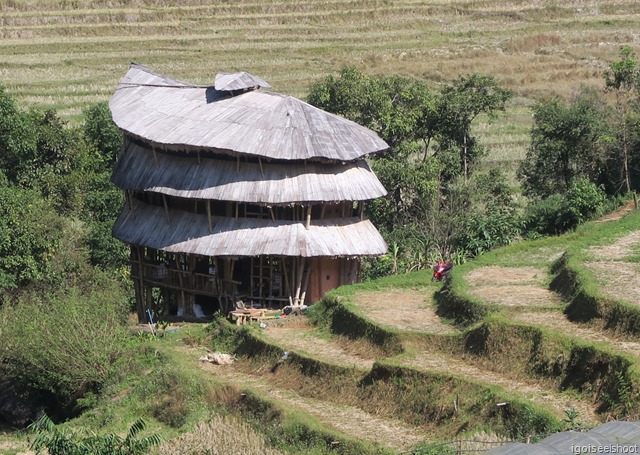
70, 53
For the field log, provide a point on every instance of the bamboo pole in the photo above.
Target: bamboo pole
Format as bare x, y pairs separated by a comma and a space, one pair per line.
299, 274
293, 278
270, 276
155, 158
166, 207
237, 208
361, 207
273, 215
251, 267
198, 156
261, 169
261, 275
140, 288
322, 211
305, 282
308, 217
209, 215
285, 278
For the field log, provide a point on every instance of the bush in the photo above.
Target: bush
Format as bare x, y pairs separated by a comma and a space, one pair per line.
583, 202
559, 213
60, 442
67, 343
543, 217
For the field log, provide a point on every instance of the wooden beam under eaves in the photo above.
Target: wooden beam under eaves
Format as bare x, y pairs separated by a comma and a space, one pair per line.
166, 207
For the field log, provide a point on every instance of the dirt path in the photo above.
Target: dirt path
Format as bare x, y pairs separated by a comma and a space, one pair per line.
618, 280
530, 390
349, 420
512, 286
619, 249
305, 338
403, 310
622, 211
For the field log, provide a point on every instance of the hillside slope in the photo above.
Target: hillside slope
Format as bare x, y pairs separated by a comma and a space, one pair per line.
497, 353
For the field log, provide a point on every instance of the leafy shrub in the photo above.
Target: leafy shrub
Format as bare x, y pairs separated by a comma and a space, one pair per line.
562, 212
583, 201
543, 217
486, 232
65, 343
60, 442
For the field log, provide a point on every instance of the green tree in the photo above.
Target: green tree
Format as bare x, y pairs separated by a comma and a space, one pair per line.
18, 138
431, 146
394, 107
457, 107
29, 234
623, 79
102, 132
568, 140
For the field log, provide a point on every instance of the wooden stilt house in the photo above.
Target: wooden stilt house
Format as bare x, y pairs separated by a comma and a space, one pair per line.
237, 193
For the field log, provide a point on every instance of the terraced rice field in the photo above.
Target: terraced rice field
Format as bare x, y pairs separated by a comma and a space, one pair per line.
515, 286
68, 54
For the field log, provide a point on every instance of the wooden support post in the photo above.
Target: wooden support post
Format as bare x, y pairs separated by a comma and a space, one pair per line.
137, 287
237, 208
308, 217
155, 158
273, 216
299, 274
261, 169
166, 207
260, 278
361, 208
270, 276
251, 268
178, 271
305, 282
148, 298
237, 163
140, 294
209, 215
132, 206
294, 267
285, 278
198, 156
322, 211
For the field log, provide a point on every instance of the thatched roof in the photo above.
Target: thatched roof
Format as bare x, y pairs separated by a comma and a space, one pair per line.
181, 116
139, 169
238, 81
188, 232
624, 436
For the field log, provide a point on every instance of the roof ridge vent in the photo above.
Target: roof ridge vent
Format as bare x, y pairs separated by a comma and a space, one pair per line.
242, 81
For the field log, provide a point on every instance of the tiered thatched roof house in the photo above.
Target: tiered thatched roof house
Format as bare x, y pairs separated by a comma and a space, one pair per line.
238, 193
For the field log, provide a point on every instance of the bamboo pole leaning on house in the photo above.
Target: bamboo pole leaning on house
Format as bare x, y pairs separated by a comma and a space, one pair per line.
305, 282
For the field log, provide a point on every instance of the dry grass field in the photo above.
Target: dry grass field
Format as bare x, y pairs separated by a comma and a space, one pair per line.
66, 54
